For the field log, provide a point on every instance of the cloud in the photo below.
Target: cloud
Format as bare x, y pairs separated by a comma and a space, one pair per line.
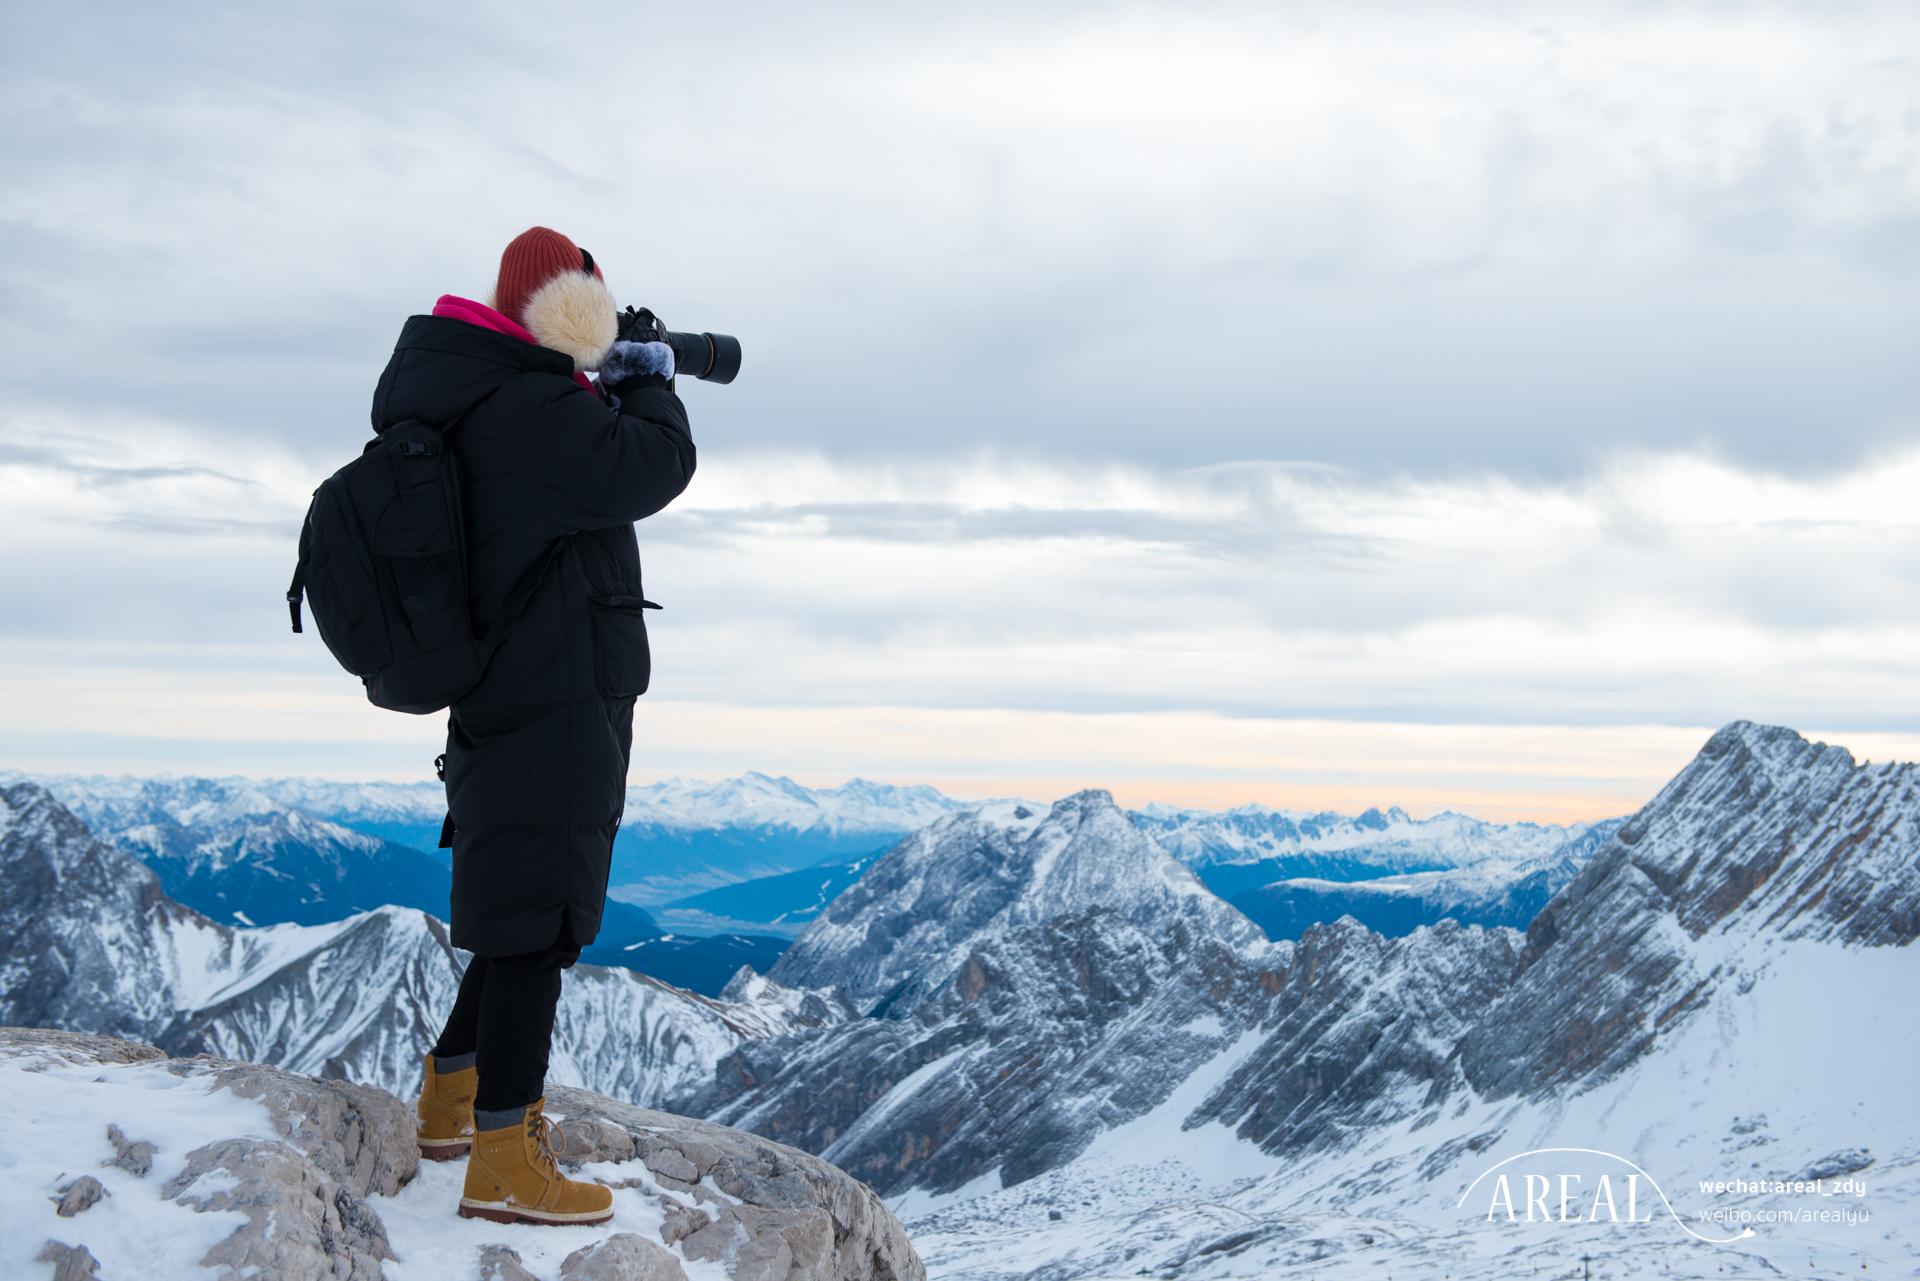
1415, 237
1388, 364
1660, 589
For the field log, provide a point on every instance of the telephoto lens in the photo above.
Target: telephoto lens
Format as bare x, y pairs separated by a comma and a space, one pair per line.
713, 358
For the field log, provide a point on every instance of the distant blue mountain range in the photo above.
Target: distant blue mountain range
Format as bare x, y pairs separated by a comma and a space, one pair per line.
265, 852
712, 876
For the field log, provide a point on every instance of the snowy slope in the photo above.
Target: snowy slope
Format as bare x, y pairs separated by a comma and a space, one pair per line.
1707, 1001
1057, 1039
1757, 1089
89, 942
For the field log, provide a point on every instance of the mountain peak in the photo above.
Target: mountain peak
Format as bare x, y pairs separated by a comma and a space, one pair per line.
945, 891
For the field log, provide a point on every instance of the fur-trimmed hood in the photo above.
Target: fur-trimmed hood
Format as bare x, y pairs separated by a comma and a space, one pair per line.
574, 314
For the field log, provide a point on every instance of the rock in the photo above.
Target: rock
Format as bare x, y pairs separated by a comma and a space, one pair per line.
623, 1257
70, 1262
135, 1158
301, 1225
302, 1192
802, 1219
682, 1220
591, 1139
498, 1263
765, 1212
806, 1233
1836, 1165
718, 1240
765, 1257
78, 1195
664, 1158
359, 1135
77, 1047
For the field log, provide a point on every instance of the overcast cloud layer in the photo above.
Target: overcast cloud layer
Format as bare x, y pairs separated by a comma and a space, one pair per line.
1396, 363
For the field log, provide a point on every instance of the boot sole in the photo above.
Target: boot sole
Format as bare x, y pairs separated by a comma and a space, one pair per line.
500, 1212
445, 1150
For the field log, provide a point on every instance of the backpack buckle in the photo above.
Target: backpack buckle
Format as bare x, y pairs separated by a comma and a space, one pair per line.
413, 449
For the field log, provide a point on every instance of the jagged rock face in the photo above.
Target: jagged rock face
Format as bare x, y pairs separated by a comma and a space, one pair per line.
1358, 1029
88, 942
1042, 979
920, 911
1763, 833
1044, 1038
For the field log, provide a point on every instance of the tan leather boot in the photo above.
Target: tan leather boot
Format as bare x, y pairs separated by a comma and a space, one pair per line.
512, 1177
445, 1112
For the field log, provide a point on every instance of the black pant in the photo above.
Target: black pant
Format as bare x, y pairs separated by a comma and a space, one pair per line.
504, 1016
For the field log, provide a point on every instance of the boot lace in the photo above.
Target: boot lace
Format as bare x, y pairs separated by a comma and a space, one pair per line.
546, 1149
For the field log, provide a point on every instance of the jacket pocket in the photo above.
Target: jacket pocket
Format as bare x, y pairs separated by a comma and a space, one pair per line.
622, 664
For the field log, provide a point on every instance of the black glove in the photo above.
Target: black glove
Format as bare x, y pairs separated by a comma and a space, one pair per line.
641, 325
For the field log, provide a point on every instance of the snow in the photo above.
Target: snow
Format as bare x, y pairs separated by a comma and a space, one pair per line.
1802, 1063
1205, 1153
435, 1244
56, 1131
887, 1104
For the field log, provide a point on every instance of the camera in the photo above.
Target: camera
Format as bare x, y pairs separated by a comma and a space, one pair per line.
713, 358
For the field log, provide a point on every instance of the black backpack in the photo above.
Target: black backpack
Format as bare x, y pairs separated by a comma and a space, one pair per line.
383, 562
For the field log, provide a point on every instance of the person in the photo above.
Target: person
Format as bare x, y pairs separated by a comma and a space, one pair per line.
556, 468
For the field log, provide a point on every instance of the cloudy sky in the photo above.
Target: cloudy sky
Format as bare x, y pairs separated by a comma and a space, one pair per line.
1444, 404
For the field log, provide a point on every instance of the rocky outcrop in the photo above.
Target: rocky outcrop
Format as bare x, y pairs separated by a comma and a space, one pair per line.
1763, 834
1358, 1029
784, 1214
322, 1159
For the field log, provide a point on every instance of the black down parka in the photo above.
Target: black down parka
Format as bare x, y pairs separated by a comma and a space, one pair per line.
537, 754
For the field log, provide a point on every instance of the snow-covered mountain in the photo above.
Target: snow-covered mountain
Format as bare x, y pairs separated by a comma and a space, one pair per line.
1242, 849
1032, 976
1699, 1021
89, 942
1070, 1074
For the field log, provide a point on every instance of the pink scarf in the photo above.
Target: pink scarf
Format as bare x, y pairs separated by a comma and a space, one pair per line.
477, 313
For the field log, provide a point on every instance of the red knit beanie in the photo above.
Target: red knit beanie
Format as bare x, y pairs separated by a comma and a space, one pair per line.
536, 256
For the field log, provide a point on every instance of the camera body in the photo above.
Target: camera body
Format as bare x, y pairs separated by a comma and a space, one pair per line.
713, 358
